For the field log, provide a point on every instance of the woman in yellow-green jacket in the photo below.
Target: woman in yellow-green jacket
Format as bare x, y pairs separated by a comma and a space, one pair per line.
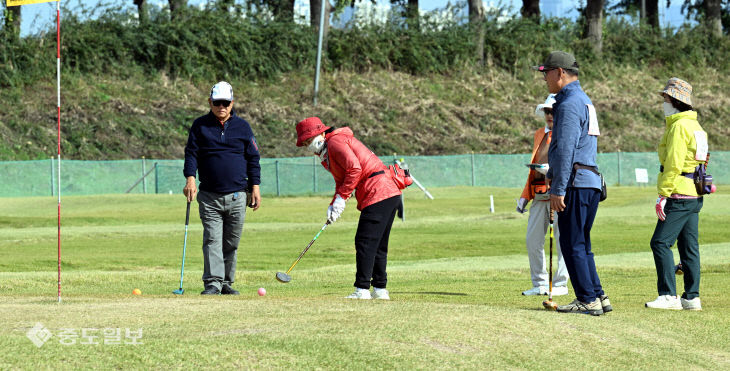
682, 148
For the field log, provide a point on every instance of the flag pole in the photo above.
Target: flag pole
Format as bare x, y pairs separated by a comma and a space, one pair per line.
58, 110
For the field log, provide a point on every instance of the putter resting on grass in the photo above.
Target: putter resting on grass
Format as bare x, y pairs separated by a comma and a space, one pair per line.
285, 277
180, 291
550, 304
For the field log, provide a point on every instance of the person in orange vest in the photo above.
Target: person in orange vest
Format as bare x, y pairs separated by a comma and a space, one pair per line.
536, 189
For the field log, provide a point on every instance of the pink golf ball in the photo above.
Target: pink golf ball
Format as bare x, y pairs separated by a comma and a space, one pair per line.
262, 291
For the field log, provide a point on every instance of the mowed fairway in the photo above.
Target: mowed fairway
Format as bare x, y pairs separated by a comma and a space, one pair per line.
455, 276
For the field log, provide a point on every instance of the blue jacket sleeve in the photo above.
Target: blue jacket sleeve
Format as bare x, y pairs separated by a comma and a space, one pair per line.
191, 154
253, 168
563, 145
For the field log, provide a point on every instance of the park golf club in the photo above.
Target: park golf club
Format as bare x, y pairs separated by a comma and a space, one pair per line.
180, 291
550, 304
285, 277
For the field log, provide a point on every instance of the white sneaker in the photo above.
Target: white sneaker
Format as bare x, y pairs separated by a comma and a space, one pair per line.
665, 302
381, 294
693, 304
537, 290
359, 294
560, 290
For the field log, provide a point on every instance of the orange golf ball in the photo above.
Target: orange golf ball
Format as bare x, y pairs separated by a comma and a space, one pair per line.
136, 292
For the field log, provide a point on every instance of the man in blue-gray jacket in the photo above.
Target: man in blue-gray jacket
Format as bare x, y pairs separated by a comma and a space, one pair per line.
575, 187
222, 149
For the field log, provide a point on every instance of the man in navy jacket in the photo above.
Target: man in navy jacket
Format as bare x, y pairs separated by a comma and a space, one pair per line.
222, 149
575, 184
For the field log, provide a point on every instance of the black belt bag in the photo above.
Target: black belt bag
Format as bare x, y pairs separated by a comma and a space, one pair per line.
604, 191
702, 180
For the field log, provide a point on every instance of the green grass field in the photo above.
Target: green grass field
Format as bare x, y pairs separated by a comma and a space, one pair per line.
455, 275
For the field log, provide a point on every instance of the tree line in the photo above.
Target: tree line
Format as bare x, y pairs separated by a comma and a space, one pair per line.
269, 40
709, 13
713, 14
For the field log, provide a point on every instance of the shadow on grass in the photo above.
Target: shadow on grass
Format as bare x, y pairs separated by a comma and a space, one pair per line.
431, 293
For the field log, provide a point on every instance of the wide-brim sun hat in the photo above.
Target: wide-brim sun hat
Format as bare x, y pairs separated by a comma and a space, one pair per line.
678, 89
309, 128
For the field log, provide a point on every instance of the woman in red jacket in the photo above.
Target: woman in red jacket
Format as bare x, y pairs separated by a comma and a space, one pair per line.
356, 168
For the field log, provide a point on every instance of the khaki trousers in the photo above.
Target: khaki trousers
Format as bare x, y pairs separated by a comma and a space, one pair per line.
537, 228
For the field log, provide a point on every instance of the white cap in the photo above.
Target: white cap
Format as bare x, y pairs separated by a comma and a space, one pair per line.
222, 91
548, 104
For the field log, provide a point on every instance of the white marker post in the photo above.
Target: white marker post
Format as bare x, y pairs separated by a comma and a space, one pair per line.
491, 204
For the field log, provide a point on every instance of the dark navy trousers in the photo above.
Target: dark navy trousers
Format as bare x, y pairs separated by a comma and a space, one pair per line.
575, 223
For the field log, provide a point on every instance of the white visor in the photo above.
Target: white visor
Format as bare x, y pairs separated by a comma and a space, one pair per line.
548, 104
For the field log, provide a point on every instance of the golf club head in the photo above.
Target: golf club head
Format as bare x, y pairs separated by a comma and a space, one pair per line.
178, 292
283, 277
550, 305
678, 269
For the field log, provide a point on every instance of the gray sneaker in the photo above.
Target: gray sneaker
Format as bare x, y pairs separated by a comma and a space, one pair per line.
381, 294
593, 308
693, 304
605, 304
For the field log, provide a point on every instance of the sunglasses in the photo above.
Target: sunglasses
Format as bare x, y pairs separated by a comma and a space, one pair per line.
548, 111
224, 103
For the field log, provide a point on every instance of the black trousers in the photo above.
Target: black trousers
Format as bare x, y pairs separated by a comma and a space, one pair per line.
371, 243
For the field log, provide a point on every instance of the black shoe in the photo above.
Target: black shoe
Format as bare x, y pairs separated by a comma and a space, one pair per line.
211, 290
227, 290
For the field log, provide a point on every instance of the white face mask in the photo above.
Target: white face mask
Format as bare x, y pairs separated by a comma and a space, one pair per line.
317, 144
669, 109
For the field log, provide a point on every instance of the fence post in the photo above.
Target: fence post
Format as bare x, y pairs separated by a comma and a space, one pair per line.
157, 179
618, 154
53, 175
144, 178
473, 175
314, 174
278, 189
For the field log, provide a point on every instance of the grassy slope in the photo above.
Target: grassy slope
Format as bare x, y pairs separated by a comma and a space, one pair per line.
455, 276
109, 117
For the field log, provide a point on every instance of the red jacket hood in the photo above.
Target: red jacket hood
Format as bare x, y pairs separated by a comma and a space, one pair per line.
340, 131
